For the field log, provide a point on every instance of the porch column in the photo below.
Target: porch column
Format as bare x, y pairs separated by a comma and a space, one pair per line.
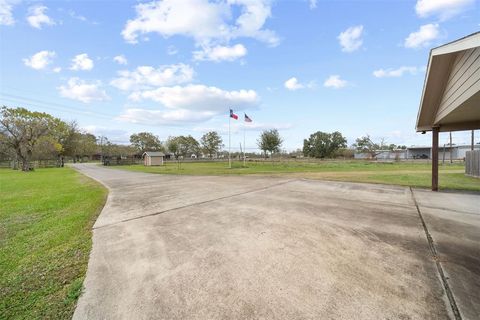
435, 158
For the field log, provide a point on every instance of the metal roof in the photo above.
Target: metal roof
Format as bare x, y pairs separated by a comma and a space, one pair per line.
154, 154
465, 113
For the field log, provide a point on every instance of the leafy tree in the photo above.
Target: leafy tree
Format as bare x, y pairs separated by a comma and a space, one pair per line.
118, 150
211, 143
173, 146
366, 145
22, 129
270, 141
86, 145
146, 141
187, 145
5, 151
193, 146
323, 145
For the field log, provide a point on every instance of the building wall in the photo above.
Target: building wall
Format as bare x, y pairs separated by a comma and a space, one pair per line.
383, 155
462, 150
417, 153
156, 161
464, 79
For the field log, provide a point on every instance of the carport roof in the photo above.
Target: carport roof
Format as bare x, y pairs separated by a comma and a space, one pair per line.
466, 116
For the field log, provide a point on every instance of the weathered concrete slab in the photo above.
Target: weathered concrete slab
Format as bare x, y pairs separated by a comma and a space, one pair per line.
454, 223
180, 247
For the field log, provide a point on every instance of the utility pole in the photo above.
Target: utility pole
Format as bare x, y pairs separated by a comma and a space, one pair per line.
101, 149
443, 158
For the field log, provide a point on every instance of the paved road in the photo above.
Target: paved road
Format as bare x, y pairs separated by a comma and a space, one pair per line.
188, 247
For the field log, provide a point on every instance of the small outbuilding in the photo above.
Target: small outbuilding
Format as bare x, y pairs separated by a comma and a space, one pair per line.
151, 158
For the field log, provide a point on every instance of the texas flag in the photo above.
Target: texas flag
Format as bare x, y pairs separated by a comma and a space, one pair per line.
247, 119
233, 115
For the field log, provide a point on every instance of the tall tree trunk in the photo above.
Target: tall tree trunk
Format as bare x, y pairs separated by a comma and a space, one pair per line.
26, 161
23, 160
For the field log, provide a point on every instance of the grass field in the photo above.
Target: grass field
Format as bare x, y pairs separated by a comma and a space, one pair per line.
399, 173
46, 218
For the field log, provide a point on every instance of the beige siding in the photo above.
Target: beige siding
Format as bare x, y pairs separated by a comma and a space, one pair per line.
464, 80
156, 161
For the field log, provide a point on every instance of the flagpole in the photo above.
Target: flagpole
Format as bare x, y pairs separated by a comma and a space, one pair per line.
229, 143
244, 145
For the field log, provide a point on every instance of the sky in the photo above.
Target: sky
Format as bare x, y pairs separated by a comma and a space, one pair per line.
176, 67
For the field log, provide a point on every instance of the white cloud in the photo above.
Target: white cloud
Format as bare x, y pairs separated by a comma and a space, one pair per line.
159, 117
83, 91
40, 60
81, 62
74, 15
389, 73
312, 4
335, 82
145, 77
198, 97
351, 39
293, 84
187, 104
120, 59
423, 37
57, 69
77, 16
220, 53
114, 135
444, 9
37, 17
6, 12
172, 50
202, 20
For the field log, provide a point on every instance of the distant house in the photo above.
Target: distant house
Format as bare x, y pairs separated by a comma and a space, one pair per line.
151, 158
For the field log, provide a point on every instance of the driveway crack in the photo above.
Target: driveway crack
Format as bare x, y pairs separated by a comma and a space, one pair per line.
433, 250
195, 204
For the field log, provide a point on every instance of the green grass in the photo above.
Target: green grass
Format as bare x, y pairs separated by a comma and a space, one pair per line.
46, 218
398, 173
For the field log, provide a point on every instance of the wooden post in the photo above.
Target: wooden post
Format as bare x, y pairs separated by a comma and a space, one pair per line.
435, 158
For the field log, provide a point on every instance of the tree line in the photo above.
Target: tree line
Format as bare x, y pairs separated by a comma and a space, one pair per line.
29, 135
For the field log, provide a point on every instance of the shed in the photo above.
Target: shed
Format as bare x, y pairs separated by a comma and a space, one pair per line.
451, 92
151, 158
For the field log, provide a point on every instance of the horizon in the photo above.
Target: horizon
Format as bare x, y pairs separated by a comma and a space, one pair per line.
290, 65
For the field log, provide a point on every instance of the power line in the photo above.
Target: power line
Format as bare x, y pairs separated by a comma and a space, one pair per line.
49, 105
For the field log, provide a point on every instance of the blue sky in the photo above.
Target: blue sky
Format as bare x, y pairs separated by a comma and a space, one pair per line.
175, 67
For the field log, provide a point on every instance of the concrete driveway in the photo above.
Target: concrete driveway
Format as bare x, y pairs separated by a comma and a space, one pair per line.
190, 247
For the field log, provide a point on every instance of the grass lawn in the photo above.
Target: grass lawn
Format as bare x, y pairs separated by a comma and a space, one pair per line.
398, 173
46, 218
